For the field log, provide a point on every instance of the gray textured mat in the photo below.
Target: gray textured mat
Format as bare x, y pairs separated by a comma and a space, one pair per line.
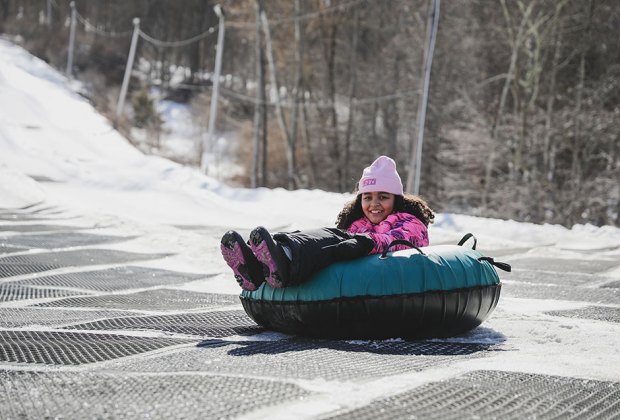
35, 263
603, 248
22, 217
60, 240
599, 313
501, 252
31, 209
307, 359
23, 317
30, 214
578, 294
69, 348
215, 324
193, 227
100, 395
562, 265
6, 249
42, 178
498, 395
547, 277
15, 291
153, 300
115, 278
37, 228
612, 285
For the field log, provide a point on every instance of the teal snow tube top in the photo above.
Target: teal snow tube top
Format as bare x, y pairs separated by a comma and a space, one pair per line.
443, 291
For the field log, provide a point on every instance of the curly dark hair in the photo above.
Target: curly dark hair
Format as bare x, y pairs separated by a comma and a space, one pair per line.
408, 203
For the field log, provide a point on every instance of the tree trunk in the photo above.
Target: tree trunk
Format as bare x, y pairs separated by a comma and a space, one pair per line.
352, 94
329, 52
290, 153
305, 135
299, 87
548, 136
6, 8
516, 43
577, 140
538, 36
392, 111
260, 142
301, 101
373, 128
578, 157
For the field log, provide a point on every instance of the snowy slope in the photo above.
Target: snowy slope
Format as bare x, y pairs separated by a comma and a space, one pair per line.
56, 150
49, 131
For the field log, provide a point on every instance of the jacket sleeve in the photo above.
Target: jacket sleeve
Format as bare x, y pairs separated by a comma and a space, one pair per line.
398, 226
361, 225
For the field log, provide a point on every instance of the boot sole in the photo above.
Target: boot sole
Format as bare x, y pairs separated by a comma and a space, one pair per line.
235, 253
269, 255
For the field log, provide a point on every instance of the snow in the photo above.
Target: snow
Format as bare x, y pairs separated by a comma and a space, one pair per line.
57, 151
17, 189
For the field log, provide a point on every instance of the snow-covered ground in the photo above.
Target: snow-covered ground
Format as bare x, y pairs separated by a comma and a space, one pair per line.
55, 150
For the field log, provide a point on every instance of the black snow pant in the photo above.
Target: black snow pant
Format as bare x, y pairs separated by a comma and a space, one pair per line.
313, 250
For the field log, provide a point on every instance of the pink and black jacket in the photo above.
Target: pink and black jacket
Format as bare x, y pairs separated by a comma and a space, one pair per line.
313, 250
395, 226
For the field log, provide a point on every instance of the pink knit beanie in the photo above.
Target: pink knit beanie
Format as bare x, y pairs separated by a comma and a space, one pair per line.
381, 176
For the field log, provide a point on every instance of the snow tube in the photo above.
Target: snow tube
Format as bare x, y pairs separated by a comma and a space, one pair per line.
435, 291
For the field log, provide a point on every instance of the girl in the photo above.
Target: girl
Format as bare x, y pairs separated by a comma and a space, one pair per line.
380, 214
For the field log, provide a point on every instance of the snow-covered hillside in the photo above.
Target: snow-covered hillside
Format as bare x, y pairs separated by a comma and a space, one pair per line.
55, 150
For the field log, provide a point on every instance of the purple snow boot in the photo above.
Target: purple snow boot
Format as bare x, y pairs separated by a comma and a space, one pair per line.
238, 255
276, 264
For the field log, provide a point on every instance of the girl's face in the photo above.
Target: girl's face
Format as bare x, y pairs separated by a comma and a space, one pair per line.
377, 206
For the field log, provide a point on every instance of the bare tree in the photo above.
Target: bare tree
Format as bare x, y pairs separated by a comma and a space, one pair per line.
516, 41
524, 98
351, 100
275, 87
259, 154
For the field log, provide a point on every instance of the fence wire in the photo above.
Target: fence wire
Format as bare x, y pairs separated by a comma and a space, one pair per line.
176, 44
238, 95
92, 28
